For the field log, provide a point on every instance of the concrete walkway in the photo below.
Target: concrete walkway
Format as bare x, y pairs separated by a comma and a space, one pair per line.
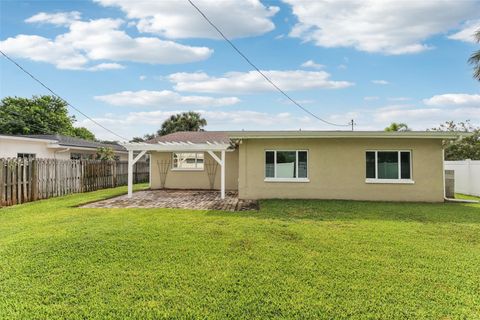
185, 199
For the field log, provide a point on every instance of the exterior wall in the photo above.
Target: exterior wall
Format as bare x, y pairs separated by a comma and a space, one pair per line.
177, 179
336, 169
467, 176
9, 148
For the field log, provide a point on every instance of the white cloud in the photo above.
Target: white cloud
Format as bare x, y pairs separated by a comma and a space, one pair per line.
178, 19
140, 123
58, 19
382, 26
312, 64
381, 82
424, 118
100, 39
142, 77
371, 98
164, 98
467, 32
417, 118
454, 99
252, 81
106, 66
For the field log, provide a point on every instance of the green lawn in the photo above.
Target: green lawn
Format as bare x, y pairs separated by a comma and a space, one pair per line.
292, 259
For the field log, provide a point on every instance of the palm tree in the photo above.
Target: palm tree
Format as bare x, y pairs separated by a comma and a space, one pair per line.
394, 126
475, 58
185, 121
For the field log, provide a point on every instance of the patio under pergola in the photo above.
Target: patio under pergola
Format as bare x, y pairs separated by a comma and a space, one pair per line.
216, 149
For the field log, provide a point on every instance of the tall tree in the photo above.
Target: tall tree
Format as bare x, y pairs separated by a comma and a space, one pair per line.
146, 137
185, 121
105, 153
466, 148
475, 58
38, 115
83, 133
394, 126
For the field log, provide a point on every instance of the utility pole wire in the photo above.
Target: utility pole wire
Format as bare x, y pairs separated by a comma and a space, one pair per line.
55, 94
260, 71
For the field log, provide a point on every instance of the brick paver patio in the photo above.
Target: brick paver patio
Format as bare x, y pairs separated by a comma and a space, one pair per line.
185, 199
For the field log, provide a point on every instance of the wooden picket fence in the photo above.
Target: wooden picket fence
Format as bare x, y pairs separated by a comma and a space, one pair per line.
24, 180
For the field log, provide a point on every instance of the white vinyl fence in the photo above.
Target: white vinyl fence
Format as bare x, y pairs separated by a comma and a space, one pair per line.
467, 176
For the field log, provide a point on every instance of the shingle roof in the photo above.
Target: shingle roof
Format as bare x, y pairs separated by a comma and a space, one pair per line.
193, 137
76, 142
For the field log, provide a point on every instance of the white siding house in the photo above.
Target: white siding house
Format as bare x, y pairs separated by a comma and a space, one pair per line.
53, 147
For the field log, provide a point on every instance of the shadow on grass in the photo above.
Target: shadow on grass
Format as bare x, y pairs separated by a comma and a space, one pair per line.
328, 210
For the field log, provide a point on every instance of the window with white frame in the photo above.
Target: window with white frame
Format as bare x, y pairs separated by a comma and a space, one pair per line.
288, 165
188, 160
390, 166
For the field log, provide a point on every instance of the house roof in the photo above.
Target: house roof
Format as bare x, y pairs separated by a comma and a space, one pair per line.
345, 134
75, 142
222, 140
197, 137
226, 136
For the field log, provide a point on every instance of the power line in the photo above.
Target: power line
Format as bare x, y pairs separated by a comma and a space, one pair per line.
55, 94
263, 74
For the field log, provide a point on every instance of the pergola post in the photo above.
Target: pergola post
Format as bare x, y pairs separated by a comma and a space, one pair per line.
130, 173
221, 162
131, 162
222, 176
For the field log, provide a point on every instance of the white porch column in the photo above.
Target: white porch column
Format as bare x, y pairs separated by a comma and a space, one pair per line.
221, 162
131, 162
222, 176
130, 173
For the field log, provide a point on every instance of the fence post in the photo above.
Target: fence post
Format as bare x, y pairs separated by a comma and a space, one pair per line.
2, 183
34, 180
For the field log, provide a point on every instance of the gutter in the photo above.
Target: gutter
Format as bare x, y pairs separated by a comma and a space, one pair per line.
59, 151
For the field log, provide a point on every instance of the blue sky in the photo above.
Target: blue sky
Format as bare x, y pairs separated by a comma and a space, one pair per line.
131, 64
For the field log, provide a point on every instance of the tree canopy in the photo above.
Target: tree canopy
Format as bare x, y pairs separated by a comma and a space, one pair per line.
39, 115
466, 148
185, 121
394, 126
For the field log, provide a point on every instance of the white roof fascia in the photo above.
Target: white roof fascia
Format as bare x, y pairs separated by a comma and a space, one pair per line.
176, 146
343, 134
6, 137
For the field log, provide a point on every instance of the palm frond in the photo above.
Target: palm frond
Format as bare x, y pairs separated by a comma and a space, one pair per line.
475, 61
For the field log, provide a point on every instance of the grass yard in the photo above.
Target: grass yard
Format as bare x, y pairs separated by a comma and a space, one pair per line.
292, 259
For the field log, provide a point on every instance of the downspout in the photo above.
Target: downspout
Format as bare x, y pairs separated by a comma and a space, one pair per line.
59, 151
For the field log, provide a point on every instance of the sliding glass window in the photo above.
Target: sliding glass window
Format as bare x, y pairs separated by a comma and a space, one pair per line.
388, 165
286, 165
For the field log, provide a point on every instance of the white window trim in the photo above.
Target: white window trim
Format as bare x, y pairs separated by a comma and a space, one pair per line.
286, 179
188, 169
275, 179
391, 181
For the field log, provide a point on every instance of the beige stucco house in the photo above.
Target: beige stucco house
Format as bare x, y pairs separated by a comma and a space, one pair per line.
380, 166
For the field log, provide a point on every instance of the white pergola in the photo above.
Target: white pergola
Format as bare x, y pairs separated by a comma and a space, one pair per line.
210, 147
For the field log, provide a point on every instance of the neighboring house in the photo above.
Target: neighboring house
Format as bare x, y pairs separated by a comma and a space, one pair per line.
54, 147
381, 166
